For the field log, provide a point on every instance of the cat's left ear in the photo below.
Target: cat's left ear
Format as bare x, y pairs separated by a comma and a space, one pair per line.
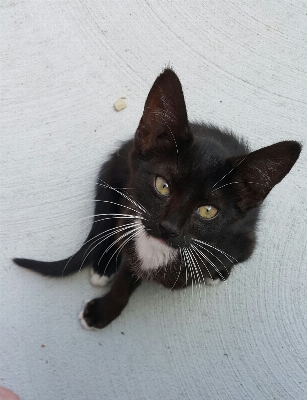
164, 120
257, 173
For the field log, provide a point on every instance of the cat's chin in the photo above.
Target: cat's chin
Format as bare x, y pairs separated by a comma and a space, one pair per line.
159, 240
153, 252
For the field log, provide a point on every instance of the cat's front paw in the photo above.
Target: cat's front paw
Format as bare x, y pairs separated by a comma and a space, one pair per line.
100, 280
98, 313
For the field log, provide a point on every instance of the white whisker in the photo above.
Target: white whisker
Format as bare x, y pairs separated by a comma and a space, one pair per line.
113, 215
110, 230
117, 240
191, 269
117, 204
67, 264
210, 252
198, 267
195, 265
186, 266
228, 256
232, 183
210, 262
196, 273
104, 236
199, 270
205, 258
132, 234
229, 172
179, 269
204, 262
126, 196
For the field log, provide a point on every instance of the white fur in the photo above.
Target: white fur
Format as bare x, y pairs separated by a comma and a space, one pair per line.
82, 320
98, 280
152, 252
212, 282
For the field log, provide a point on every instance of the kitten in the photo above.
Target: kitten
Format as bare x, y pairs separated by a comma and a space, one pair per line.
177, 204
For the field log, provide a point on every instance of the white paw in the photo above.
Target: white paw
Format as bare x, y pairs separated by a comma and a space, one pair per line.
82, 320
98, 280
212, 282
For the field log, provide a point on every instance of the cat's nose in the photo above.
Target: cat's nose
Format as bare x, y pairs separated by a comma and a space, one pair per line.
168, 230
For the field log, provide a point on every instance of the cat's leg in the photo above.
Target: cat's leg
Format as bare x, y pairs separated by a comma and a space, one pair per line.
99, 312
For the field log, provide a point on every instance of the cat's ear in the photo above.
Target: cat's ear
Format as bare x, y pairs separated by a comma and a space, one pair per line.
164, 119
257, 173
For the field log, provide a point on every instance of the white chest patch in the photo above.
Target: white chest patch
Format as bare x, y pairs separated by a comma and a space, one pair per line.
152, 252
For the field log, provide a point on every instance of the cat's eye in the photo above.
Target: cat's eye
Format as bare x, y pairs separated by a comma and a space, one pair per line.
207, 212
162, 186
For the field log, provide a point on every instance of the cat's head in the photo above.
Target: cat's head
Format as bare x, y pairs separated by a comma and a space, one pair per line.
194, 180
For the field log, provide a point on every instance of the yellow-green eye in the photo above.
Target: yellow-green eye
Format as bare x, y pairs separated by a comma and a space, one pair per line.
207, 212
162, 186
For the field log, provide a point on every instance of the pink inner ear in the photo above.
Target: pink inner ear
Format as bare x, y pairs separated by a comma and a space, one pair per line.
164, 112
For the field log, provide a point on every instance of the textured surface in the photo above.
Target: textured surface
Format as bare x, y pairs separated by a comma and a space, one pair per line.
63, 65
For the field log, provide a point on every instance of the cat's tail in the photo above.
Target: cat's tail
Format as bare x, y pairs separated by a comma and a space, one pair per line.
56, 268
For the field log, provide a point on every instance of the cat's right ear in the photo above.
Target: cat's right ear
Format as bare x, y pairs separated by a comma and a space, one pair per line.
164, 119
257, 173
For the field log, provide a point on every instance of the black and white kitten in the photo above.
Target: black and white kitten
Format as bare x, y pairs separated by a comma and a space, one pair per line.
177, 204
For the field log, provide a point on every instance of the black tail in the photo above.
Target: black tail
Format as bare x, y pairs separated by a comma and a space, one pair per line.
107, 201
54, 268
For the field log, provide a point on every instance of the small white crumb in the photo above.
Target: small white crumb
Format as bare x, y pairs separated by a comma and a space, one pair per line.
120, 104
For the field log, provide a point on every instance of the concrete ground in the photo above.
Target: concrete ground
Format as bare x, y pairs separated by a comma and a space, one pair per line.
243, 65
